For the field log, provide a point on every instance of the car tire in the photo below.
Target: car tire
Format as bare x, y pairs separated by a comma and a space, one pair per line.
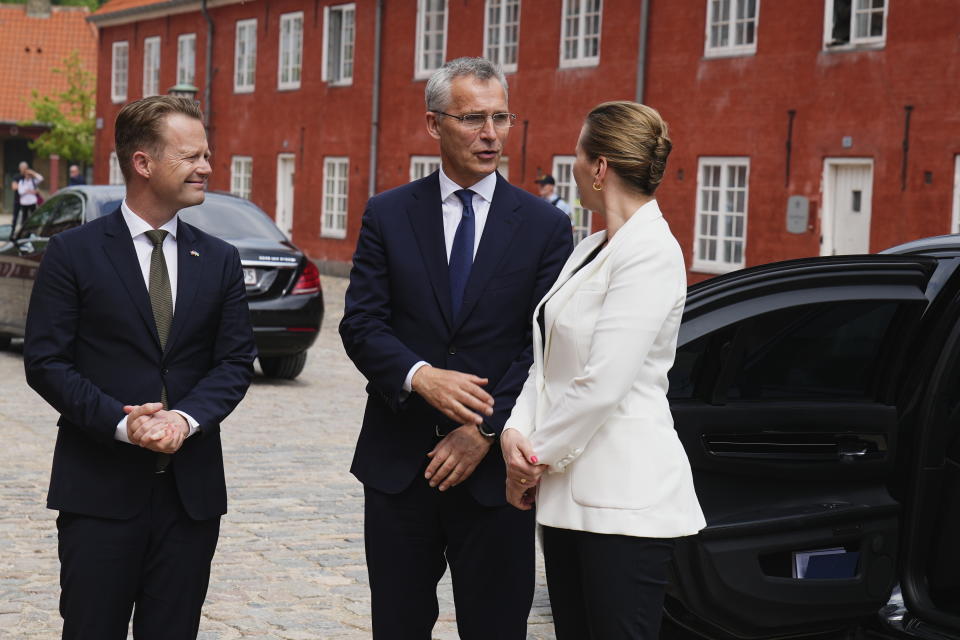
5, 342
284, 367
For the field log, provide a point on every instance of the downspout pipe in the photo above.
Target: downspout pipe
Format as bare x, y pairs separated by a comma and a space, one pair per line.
642, 49
208, 79
375, 106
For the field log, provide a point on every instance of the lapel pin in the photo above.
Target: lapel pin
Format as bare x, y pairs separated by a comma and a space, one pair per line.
194, 254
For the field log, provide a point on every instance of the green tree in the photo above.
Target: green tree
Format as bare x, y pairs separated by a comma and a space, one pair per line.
69, 114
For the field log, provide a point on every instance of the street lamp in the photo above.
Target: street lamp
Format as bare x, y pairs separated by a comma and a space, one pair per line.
183, 90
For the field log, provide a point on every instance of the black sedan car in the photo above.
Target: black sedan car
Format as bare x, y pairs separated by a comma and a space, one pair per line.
283, 285
818, 401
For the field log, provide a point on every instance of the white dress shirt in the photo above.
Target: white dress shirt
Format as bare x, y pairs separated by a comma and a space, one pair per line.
144, 247
452, 213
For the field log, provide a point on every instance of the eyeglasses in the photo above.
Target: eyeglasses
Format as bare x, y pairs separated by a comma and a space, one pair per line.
476, 121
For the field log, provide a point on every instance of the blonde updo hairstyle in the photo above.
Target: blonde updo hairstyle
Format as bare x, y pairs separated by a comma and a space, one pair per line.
634, 140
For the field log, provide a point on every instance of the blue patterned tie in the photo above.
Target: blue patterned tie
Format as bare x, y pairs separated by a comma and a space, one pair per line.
461, 254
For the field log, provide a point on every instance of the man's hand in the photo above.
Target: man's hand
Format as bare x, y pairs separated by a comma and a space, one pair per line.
455, 457
523, 474
458, 395
154, 428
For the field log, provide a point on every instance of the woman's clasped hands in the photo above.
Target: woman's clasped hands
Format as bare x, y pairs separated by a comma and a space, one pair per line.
523, 472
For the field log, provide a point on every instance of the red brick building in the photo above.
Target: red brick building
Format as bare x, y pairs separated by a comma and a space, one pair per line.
767, 100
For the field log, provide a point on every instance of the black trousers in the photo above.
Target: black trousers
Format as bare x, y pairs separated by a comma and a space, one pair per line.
156, 564
412, 536
605, 587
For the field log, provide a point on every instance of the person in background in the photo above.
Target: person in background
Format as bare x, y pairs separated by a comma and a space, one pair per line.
75, 176
26, 186
548, 191
591, 438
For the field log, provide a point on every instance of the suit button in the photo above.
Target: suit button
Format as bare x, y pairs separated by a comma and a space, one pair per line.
164, 372
452, 350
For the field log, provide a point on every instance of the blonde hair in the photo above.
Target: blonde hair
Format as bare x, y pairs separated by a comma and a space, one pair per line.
139, 126
634, 140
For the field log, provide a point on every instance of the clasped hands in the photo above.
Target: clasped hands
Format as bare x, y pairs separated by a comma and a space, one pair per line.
523, 472
152, 427
460, 397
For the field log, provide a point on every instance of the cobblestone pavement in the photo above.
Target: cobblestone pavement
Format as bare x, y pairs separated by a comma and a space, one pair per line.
290, 562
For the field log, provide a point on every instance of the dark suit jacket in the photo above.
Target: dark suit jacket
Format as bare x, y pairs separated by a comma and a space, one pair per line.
398, 313
91, 346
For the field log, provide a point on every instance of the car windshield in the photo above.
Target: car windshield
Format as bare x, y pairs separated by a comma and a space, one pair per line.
231, 218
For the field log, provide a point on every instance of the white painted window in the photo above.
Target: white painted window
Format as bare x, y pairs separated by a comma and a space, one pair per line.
338, 37
422, 166
721, 217
501, 40
241, 176
731, 27
291, 50
580, 33
335, 182
955, 227
245, 56
431, 36
854, 23
116, 175
187, 58
566, 188
118, 71
151, 66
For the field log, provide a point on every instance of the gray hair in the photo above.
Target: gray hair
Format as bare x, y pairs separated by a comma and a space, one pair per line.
437, 93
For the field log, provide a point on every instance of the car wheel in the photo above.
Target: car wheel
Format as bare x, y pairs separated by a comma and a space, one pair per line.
4, 343
285, 367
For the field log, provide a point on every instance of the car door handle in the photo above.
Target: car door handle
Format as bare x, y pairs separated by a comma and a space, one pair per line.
796, 446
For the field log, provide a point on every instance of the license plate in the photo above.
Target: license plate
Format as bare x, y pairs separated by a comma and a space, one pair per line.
250, 277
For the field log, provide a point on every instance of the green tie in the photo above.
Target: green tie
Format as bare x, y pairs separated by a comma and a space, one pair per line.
161, 299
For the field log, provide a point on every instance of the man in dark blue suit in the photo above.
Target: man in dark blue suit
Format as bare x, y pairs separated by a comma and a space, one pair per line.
139, 335
447, 272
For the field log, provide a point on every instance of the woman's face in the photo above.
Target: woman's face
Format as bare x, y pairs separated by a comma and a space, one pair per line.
585, 174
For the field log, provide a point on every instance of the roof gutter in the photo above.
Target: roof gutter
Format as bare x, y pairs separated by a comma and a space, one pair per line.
642, 49
375, 107
208, 76
154, 9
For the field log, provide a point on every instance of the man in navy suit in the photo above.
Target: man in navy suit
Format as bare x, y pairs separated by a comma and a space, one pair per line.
139, 335
447, 272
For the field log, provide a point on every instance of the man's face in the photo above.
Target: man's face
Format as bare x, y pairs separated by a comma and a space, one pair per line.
469, 156
23, 168
74, 172
181, 167
546, 190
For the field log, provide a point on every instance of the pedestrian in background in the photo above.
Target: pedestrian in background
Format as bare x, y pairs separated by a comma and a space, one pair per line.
548, 191
26, 186
447, 272
139, 335
75, 176
592, 428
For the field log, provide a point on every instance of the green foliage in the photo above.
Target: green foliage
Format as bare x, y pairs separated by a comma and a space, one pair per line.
69, 114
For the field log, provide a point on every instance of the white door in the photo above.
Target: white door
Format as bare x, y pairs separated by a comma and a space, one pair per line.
848, 192
284, 214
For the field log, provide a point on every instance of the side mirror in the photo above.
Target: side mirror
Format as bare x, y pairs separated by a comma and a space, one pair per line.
6, 230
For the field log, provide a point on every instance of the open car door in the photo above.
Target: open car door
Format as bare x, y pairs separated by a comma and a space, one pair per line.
785, 396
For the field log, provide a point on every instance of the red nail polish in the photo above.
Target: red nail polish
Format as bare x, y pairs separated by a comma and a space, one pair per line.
533, 459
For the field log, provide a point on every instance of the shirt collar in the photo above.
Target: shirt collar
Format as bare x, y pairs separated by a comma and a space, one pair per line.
484, 188
139, 226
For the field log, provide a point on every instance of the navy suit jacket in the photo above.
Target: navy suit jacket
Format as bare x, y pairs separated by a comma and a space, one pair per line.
398, 312
91, 346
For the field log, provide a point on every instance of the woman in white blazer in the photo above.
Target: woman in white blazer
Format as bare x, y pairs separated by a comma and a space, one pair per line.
591, 437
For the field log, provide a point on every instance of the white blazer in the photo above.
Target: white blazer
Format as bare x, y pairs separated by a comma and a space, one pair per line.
595, 403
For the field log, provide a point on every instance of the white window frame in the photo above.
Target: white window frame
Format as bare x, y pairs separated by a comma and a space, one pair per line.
119, 71
187, 58
504, 168
241, 176
566, 187
336, 177
291, 46
855, 42
151, 66
501, 36
422, 71
245, 56
580, 15
115, 175
730, 21
422, 166
343, 75
719, 234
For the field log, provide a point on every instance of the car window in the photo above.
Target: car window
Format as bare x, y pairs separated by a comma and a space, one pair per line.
33, 226
67, 213
815, 351
231, 218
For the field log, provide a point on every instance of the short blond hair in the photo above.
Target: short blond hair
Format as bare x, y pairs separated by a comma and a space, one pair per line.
634, 140
138, 126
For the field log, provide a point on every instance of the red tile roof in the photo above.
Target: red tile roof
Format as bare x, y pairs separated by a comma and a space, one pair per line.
32, 47
115, 6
